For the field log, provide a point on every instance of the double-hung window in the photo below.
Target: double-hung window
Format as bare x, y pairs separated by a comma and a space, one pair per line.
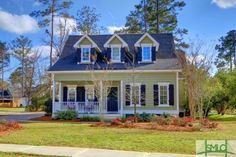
85, 54
146, 53
163, 94
115, 54
135, 95
71, 94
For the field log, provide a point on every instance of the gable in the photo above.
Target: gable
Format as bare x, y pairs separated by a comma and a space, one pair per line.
146, 40
85, 41
115, 40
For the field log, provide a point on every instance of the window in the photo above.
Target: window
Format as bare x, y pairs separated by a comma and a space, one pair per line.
71, 94
163, 96
85, 54
146, 53
90, 93
115, 54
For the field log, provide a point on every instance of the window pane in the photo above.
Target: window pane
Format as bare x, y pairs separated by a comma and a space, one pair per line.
163, 95
85, 55
115, 54
146, 53
71, 94
135, 95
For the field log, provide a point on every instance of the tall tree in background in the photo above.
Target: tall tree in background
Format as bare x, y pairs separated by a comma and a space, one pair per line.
227, 51
4, 62
157, 16
21, 48
87, 21
51, 8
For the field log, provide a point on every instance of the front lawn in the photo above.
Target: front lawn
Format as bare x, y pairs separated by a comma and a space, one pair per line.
218, 117
12, 109
82, 135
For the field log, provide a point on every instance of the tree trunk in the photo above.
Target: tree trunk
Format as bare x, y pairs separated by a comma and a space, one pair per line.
52, 30
157, 14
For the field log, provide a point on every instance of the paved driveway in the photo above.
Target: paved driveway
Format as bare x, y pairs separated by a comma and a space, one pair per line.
20, 117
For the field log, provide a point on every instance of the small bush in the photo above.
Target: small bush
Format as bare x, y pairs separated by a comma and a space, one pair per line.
179, 122
158, 120
166, 115
132, 119
145, 117
48, 106
116, 121
66, 115
9, 125
89, 119
207, 124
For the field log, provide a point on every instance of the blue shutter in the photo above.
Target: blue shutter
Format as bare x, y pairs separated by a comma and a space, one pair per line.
143, 95
122, 54
109, 54
93, 53
78, 53
65, 90
171, 95
95, 97
127, 95
153, 53
80, 94
155, 95
139, 54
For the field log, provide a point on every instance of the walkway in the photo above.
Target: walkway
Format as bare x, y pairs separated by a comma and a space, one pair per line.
79, 152
19, 116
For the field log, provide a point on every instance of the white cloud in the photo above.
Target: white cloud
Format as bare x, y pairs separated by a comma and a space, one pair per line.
36, 4
44, 50
68, 23
18, 24
225, 3
112, 29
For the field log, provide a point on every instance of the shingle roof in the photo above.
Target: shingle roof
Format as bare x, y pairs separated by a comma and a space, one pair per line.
166, 58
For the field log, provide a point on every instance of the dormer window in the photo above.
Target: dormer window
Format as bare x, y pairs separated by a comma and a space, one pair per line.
85, 54
115, 54
146, 53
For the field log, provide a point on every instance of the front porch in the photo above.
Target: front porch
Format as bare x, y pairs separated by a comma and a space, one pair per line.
83, 97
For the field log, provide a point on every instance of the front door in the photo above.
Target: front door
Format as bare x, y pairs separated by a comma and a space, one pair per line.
112, 99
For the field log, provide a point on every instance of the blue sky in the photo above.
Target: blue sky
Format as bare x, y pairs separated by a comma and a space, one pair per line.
205, 19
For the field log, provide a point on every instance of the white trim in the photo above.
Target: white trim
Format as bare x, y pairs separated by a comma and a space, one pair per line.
115, 71
155, 43
119, 60
74, 88
159, 95
147, 45
118, 97
177, 91
121, 97
81, 54
53, 93
60, 95
131, 94
82, 38
124, 44
86, 92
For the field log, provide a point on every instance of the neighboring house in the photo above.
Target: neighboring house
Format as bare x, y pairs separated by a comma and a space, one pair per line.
146, 63
6, 99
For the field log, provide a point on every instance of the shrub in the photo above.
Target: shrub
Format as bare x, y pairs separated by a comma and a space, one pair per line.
179, 122
116, 121
165, 115
66, 115
188, 119
207, 124
132, 119
9, 125
48, 106
158, 120
89, 119
145, 117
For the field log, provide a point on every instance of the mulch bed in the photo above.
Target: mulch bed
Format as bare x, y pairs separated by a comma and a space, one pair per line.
8, 127
50, 119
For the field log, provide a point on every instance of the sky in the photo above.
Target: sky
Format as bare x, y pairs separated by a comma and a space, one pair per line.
207, 20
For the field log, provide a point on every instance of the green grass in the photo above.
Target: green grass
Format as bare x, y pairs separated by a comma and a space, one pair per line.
217, 117
3, 154
15, 109
82, 135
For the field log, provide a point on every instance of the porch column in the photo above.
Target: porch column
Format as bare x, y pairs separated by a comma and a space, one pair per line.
53, 93
121, 97
60, 98
177, 91
101, 97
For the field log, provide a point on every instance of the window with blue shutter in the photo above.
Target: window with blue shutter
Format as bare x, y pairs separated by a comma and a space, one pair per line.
127, 95
93, 55
109, 54
122, 55
65, 90
139, 54
80, 94
153, 53
171, 95
156, 95
143, 95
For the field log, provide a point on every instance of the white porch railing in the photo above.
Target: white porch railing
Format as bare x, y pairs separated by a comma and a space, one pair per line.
80, 107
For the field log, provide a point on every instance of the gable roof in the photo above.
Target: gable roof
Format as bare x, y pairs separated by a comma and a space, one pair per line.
87, 37
166, 57
124, 44
156, 44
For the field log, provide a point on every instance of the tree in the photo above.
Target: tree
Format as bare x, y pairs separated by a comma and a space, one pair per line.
196, 65
156, 16
52, 8
87, 21
227, 51
4, 62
